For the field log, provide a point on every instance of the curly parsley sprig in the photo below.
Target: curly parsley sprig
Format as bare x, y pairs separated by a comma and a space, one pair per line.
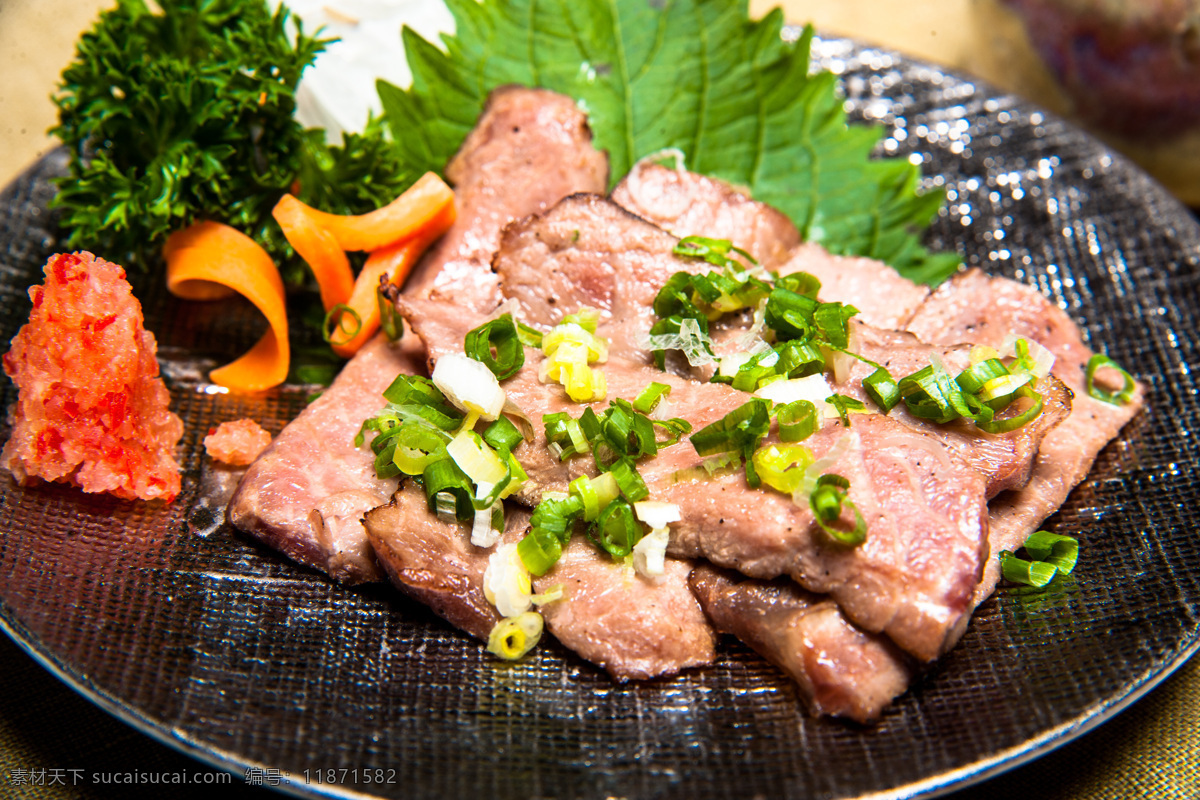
187, 114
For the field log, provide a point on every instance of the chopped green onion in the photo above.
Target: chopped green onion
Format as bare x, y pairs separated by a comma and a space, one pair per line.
615, 530
689, 335
333, 322
976, 377
827, 501
497, 346
648, 399
556, 516
389, 318
1012, 423
832, 320
530, 337
413, 447
476, 459
586, 318
799, 359
568, 349
565, 435
551, 595
789, 314
1032, 358
1002, 388
583, 488
844, 405
469, 385
447, 487
1053, 548
1030, 573
1122, 397
739, 431
932, 394
797, 420
627, 431
800, 282
882, 388
629, 480
782, 467
714, 251
502, 435
539, 551
414, 389
513, 637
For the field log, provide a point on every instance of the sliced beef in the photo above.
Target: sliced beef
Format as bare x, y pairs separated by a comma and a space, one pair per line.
530, 148
926, 520
588, 251
882, 296
973, 306
687, 204
443, 327
305, 495
926, 508
434, 561
634, 627
841, 670
1005, 459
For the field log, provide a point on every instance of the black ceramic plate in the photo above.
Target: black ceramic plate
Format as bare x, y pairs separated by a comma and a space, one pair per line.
198, 636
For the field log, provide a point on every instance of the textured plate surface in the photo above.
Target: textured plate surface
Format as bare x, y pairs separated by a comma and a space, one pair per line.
204, 639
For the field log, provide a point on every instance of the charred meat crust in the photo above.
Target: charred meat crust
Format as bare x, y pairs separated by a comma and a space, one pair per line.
839, 669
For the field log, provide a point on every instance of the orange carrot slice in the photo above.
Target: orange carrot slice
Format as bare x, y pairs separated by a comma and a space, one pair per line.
209, 260
405, 216
396, 261
318, 247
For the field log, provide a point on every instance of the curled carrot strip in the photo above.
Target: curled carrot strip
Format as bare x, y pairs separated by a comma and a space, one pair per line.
318, 247
209, 260
402, 218
396, 261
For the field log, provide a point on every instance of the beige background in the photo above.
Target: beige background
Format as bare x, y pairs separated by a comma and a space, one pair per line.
37, 41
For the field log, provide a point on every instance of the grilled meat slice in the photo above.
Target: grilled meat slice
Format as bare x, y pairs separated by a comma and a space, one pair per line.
1005, 459
588, 251
306, 493
924, 508
987, 310
840, 669
686, 204
634, 627
530, 149
434, 561
882, 296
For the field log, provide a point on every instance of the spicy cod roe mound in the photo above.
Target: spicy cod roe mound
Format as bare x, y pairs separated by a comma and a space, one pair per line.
236, 443
91, 410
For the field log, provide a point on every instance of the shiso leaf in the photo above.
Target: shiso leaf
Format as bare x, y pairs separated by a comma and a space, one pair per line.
698, 75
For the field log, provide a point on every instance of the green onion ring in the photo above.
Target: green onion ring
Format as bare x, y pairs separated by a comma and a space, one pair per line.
500, 335
1029, 573
334, 316
1053, 548
1122, 397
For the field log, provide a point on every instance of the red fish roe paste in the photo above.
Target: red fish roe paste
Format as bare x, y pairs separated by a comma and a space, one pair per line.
236, 443
91, 409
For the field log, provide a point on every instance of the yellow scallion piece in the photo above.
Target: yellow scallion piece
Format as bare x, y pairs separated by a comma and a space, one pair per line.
513, 637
